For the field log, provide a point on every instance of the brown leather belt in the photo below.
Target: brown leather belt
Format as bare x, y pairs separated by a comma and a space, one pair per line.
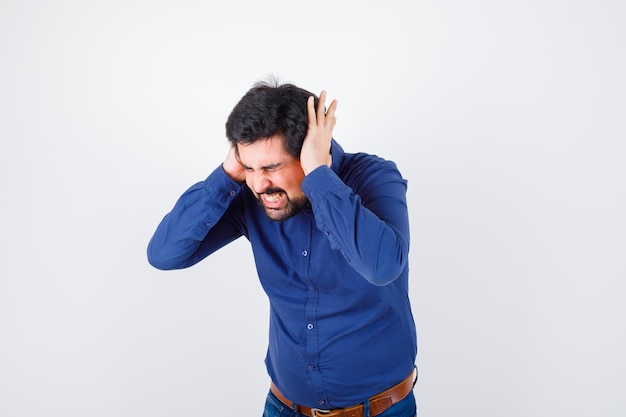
378, 403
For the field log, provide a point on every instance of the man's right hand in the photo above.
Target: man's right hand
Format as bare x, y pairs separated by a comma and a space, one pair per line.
233, 167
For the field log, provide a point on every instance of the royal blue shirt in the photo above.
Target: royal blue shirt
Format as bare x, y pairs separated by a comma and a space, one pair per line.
341, 327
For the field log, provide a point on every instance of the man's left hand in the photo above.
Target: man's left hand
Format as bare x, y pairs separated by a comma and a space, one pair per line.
316, 147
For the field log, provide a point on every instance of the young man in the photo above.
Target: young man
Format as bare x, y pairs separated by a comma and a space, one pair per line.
330, 236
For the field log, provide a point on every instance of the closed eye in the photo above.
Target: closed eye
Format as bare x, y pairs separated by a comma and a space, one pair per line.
268, 168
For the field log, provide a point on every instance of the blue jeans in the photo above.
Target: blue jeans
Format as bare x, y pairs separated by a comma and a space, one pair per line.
404, 408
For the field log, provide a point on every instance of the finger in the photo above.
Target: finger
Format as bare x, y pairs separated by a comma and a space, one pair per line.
330, 114
310, 104
321, 114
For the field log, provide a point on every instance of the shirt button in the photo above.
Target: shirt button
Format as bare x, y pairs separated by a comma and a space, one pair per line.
305, 253
233, 193
321, 402
312, 289
309, 326
310, 367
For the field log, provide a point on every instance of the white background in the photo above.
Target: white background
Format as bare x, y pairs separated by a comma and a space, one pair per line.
507, 118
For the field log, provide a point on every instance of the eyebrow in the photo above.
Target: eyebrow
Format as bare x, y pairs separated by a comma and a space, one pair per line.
265, 167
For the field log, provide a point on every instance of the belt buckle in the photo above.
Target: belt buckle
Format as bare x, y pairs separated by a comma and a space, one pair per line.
316, 412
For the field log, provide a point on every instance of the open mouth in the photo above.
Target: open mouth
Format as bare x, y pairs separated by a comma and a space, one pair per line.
273, 199
278, 206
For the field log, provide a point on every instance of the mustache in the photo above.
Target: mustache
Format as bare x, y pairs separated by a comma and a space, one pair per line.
272, 191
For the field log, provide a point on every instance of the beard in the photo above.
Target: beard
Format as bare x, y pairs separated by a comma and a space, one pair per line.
290, 209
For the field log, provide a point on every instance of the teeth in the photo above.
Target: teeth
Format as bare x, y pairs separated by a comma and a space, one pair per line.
272, 198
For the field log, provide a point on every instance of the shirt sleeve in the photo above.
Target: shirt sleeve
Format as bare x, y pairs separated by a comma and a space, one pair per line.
197, 225
368, 224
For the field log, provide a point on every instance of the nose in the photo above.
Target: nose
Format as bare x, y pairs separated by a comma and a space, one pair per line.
260, 182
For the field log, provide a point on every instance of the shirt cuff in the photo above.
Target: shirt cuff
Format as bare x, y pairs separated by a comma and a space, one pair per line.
321, 181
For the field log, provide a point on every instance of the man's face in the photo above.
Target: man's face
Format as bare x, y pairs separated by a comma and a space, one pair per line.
274, 176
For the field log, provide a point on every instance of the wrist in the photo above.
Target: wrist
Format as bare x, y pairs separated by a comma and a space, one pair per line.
311, 166
234, 172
